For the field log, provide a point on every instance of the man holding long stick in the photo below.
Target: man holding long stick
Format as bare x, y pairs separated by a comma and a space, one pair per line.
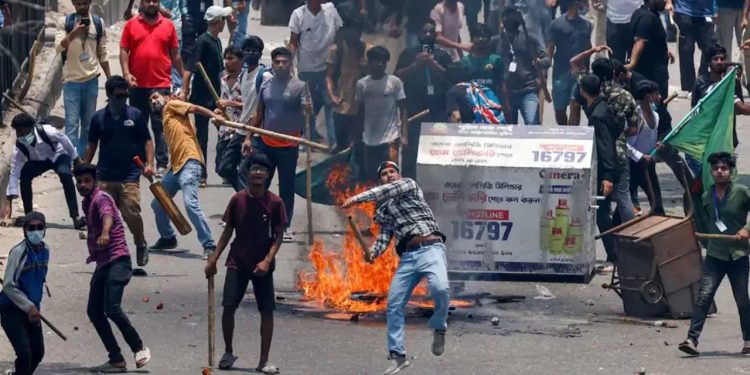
405, 215
21, 296
260, 219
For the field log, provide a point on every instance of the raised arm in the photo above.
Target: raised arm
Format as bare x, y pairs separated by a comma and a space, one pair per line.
382, 192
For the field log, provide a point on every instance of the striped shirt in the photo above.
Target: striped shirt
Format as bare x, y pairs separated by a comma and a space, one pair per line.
97, 205
403, 214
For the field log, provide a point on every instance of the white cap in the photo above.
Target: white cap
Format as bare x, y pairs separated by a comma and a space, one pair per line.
214, 12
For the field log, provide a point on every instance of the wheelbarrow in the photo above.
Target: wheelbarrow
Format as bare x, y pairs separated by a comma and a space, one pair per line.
659, 262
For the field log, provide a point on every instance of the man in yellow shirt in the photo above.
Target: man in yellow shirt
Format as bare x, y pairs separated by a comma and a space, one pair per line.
82, 41
185, 172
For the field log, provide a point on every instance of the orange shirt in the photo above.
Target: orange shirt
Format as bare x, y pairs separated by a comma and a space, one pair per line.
180, 135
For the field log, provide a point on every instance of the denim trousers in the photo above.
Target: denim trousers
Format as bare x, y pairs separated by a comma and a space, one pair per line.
25, 337
80, 104
239, 33
283, 159
528, 105
316, 81
187, 180
714, 270
428, 262
105, 302
604, 220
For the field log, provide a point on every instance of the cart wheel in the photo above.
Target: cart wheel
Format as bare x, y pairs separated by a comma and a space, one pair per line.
652, 292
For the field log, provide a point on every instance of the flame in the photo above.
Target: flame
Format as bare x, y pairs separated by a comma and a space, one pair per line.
338, 275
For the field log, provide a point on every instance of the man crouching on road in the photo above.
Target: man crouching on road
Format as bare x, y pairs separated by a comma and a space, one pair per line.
260, 219
404, 214
107, 247
186, 169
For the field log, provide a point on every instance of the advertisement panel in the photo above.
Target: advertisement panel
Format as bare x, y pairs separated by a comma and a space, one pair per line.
512, 200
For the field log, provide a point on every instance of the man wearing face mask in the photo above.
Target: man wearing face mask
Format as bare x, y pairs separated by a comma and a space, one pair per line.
422, 70
21, 296
40, 148
122, 133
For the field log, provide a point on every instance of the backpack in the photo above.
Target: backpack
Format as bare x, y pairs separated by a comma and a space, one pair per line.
259, 77
485, 104
44, 139
70, 23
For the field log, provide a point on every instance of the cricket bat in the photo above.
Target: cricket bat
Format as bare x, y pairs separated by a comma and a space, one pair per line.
166, 202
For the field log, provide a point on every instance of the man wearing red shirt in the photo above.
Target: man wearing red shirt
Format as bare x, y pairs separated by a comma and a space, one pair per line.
148, 49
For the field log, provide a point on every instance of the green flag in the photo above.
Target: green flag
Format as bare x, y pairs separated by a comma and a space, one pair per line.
708, 127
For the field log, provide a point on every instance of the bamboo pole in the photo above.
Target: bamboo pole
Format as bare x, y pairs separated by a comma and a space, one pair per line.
710, 236
211, 88
361, 240
50, 325
276, 135
308, 171
211, 319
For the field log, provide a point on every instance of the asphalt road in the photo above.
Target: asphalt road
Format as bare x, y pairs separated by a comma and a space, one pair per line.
580, 331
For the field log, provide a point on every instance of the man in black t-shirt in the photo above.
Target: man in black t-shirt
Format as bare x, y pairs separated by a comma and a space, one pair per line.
120, 132
650, 55
422, 69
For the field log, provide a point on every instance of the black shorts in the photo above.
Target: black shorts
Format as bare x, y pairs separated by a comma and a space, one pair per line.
235, 286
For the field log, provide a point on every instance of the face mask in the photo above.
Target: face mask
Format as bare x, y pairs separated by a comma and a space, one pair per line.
35, 236
27, 139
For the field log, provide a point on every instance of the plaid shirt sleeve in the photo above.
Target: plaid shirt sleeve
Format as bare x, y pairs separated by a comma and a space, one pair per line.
387, 191
382, 242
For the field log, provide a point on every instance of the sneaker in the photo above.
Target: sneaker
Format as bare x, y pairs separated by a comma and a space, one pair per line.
160, 172
79, 222
690, 347
142, 255
164, 244
227, 361
207, 252
288, 237
746, 348
438, 342
398, 363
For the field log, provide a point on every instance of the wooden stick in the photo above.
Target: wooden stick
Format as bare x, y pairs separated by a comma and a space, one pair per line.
726, 237
50, 325
308, 181
211, 317
16, 104
670, 98
360, 239
211, 88
419, 115
276, 135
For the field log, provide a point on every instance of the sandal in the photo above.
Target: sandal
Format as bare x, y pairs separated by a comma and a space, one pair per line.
143, 357
268, 369
108, 368
227, 361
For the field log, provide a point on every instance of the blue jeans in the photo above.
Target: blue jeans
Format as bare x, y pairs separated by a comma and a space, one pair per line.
239, 33
429, 262
285, 160
176, 77
316, 81
528, 105
80, 105
187, 180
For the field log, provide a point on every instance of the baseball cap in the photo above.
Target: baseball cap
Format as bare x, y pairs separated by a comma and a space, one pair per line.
214, 12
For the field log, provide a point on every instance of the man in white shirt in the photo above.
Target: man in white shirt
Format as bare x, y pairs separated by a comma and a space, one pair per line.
382, 101
40, 148
619, 32
643, 143
313, 29
81, 39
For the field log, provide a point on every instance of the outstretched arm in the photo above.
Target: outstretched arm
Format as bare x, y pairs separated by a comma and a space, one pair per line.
382, 192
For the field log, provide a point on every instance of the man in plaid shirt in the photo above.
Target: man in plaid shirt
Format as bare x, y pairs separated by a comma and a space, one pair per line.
405, 215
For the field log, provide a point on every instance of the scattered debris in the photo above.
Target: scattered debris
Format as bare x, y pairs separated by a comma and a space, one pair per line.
82, 235
75, 328
146, 299
354, 318
589, 302
666, 343
495, 321
543, 292
640, 371
160, 306
206, 371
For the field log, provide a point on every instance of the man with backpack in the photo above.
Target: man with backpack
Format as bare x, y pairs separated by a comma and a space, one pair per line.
40, 148
82, 41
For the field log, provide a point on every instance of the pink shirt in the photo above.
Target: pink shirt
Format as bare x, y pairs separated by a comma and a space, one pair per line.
98, 205
449, 24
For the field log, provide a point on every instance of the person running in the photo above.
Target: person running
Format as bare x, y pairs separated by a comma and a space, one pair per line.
725, 204
186, 169
405, 215
40, 148
21, 296
109, 250
259, 218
